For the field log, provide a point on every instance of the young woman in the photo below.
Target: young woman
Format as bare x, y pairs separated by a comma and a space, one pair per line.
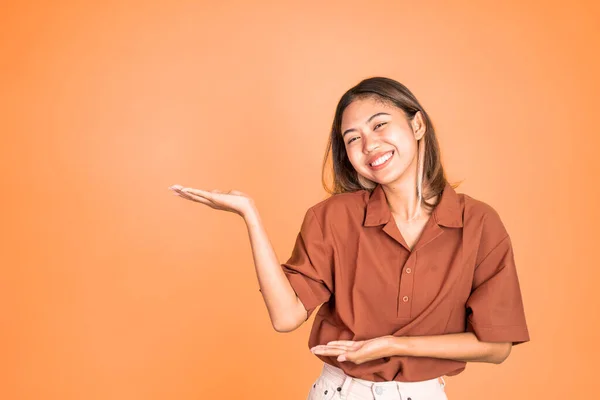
415, 279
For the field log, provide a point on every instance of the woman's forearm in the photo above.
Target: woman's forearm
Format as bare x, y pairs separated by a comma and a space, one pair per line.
285, 310
456, 346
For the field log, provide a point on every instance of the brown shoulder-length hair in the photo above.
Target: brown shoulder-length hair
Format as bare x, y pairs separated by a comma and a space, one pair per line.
390, 92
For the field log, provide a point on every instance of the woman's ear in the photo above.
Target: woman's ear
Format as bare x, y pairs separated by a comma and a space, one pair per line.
418, 125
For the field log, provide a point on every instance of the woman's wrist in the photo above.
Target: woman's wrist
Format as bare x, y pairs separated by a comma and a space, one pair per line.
398, 345
249, 212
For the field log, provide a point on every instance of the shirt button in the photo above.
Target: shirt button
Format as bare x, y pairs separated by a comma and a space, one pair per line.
408, 270
378, 390
405, 299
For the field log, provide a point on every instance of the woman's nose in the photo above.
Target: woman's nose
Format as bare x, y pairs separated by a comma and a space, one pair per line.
369, 145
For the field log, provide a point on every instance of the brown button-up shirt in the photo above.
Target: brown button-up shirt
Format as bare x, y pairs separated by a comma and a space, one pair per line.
460, 276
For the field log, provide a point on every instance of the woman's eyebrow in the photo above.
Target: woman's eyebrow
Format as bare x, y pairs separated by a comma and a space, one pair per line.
369, 120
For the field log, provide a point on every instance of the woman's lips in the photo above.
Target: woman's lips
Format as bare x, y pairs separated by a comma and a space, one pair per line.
380, 166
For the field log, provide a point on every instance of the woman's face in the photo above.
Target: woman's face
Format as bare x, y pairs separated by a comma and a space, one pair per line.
371, 129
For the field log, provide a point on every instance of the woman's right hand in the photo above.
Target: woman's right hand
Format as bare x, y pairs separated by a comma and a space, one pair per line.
232, 201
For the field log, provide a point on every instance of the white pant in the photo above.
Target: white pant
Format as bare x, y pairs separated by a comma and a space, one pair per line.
333, 383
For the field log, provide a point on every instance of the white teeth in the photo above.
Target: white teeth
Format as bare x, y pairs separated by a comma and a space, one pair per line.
381, 159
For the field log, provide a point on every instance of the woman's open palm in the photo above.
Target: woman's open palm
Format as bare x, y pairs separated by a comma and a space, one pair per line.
232, 201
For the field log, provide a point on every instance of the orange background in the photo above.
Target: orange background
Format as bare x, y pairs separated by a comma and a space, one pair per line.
113, 288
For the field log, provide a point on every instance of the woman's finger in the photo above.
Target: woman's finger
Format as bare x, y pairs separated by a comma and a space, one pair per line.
325, 347
185, 196
189, 196
176, 189
199, 192
200, 199
342, 342
328, 352
179, 193
334, 346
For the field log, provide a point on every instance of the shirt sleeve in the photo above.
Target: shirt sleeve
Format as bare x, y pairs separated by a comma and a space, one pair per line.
495, 311
310, 266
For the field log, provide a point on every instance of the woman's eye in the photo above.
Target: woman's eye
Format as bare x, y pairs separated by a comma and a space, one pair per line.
381, 123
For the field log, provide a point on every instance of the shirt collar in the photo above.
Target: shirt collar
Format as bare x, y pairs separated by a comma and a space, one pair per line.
447, 213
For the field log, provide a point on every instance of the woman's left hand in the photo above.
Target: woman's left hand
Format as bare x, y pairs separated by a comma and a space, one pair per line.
357, 351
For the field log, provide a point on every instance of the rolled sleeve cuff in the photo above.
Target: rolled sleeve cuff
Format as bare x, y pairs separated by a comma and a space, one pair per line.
516, 334
311, 296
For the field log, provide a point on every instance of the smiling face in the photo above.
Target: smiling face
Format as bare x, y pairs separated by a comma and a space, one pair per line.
372, 129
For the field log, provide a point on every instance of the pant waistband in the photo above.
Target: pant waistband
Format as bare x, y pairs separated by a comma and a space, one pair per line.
362, 387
